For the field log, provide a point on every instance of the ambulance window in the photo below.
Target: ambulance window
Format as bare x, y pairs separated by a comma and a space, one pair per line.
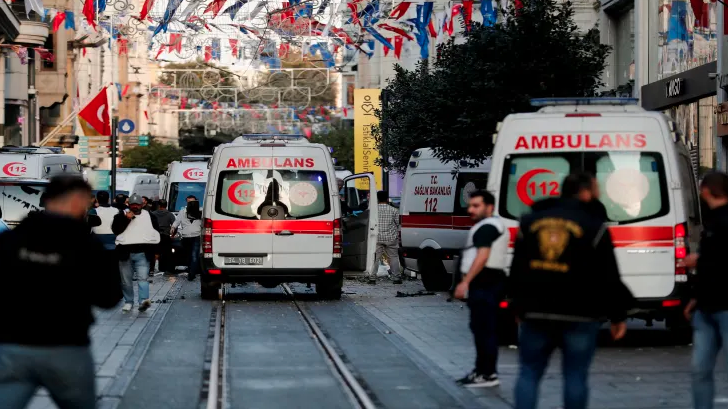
632, 184
304, 192
467, 184
530, 178
239, 191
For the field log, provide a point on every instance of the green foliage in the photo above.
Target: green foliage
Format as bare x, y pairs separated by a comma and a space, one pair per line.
342, 141
194, 141
454, 106
154, 157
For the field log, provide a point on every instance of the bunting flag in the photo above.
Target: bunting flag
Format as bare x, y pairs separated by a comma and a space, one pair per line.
283, 50
398, 46
94, 117
159, 52
35, 5
234, 47
89, 10
233, 10
125, 91
257, 9
489, 14
58, 20
70, 20
118, 89
216, 49
208, 53
467, 13
215, 7
175, 42
100, 6
399, 11
386, 49
148, 4
123, 46
191, 7
397, 30
374, 33
45, 54
172, 7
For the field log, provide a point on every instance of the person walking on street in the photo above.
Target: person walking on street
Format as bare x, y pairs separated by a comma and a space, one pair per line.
482, 265
165, 220
189, 225
106, 213
564, 281
708, 307
120, 202
387, 239
137, 232
51, 349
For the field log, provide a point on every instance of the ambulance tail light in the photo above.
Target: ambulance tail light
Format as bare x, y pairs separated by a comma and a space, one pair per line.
681, 251
582, 114
207, 239
337, 238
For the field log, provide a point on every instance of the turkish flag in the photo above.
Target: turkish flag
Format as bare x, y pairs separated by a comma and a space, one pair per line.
94, 117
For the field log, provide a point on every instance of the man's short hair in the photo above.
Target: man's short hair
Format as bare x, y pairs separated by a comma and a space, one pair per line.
162, 203
146, 199
487, 197
191, 197
382, 196
575, 183
102, 196
716, 183
60, 186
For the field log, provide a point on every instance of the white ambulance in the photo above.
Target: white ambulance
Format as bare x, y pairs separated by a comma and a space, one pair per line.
434, 215
273, 215
183, 178
24, 172
136, 180
645, 174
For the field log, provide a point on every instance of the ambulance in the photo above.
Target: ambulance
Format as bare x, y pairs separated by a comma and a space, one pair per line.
24, 173
273, 215
434, 215
645, 174
186, 177
136, 180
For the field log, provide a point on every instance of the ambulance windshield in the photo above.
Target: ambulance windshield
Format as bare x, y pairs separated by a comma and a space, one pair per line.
632, 184
179, 191
243, 193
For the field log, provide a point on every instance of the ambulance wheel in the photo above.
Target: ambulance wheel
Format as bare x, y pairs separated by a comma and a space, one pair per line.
434, 275
329, 288
209, 291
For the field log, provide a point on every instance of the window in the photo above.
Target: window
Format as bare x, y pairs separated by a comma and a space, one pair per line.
179, 192
19, 199
632, 184
50, 45
304, 193
468, 183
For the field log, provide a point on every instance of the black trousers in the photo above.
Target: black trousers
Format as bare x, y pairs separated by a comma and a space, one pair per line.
483, 303
164, 249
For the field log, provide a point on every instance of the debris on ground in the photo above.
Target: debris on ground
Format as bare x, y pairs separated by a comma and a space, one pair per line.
415, 294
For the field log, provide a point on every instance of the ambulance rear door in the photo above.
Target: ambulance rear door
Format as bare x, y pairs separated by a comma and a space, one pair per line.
303, 238
359, 223
240, 237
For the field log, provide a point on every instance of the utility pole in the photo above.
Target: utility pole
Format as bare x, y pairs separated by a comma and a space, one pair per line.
114, 143
384, 97
720, 160
32, 100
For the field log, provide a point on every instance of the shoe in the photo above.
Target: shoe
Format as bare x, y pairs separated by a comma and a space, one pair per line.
476, 380
145, 305
126, 307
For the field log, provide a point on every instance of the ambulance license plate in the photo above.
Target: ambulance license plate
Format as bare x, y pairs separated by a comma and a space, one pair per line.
244, 261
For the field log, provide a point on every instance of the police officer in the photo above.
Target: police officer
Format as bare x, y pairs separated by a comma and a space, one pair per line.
482, 265
563, 281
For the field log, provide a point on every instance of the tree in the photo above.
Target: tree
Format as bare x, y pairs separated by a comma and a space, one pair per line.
154, 157
341, 140
454, 107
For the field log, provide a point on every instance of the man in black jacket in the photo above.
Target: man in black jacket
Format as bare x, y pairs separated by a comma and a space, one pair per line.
49, 255
564, 281
709, 304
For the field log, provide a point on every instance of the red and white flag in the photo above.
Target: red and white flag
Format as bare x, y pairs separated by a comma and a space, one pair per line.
94, 117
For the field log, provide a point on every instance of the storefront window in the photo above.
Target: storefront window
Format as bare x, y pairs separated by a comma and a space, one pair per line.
696, 122
624, 50
686, 35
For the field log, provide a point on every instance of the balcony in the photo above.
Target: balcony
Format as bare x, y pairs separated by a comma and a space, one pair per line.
33, 31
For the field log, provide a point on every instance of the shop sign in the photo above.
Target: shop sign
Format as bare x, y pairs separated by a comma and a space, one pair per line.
675, 88
722, 119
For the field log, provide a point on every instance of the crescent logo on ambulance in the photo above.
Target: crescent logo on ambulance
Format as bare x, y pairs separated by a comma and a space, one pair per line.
15, 169
267, 163
193, 174
606, 141
241, 193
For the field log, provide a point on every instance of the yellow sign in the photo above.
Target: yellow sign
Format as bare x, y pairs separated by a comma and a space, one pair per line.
365, 151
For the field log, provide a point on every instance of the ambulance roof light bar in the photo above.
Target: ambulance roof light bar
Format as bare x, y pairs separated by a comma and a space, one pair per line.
269, 136
550, 102
196, 158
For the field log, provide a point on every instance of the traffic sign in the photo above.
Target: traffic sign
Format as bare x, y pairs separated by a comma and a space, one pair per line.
93, 138
126, 126
92, 150
95, 143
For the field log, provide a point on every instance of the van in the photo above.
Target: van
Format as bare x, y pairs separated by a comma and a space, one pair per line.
273, 215
434, 215
24, 173
135, 180
645, 175
186, 177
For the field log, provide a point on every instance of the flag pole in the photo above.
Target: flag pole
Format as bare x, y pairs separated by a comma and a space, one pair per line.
114, 143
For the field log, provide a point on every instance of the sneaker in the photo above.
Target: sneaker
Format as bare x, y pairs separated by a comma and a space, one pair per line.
126, 307
476, 380
145, 305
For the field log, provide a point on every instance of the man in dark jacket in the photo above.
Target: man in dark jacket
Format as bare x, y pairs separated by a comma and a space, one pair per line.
165, 220
564, 281
709, 304
49, 254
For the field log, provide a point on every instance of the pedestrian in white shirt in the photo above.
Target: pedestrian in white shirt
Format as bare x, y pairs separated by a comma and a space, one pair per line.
189, 225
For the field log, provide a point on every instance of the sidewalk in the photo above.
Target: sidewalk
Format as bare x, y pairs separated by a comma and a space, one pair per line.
113, 338
647, 371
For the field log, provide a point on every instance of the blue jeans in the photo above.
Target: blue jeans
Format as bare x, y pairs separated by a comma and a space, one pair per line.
483, 304
191, 246
138, 265
537, 340
710, 330
67, 372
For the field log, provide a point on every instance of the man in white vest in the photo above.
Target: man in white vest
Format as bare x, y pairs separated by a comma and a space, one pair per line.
106, 213
137, 233
482, 265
